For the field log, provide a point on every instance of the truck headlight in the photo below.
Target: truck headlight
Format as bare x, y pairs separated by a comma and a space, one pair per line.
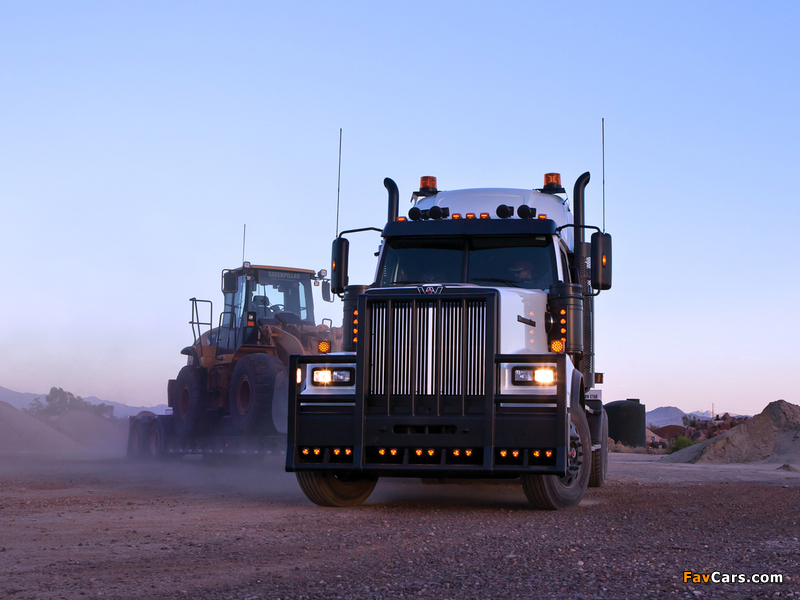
534, 376
329, 376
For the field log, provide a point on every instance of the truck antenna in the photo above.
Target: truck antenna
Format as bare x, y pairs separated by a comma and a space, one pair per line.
339, 182
603, 144
244, 238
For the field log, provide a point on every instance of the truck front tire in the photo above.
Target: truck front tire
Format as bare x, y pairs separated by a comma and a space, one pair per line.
253, 384
324, 488
551, 492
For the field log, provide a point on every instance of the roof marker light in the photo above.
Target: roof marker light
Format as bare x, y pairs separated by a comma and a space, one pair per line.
484, 215
470, 215
427, 182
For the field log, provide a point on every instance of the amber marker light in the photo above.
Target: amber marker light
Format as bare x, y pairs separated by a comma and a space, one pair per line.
503, 453
556, 346
323, 346
317, 451
430, 451
393, 451
336, 451
548, 453
515, 453
305, 451
484, 215
468, 452
470, 215
382, 451
552, 179
348, 451
427, 181
401, 219
536, 454
418, 451
456, 216
456, 452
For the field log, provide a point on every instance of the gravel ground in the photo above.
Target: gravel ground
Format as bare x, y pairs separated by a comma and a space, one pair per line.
113, 529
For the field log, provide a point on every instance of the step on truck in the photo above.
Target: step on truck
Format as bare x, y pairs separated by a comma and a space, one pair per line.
231, 397
468, 357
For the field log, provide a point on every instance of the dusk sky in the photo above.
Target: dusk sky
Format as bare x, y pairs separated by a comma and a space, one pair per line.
138, 138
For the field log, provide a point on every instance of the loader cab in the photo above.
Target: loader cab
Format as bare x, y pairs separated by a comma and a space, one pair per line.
262, 295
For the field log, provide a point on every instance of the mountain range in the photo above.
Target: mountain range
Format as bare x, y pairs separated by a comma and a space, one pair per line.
670, 415
21, 400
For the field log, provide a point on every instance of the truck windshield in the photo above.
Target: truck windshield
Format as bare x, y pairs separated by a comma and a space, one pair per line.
524, 262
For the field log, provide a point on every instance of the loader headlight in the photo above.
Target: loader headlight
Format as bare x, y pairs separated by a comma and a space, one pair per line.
330, 376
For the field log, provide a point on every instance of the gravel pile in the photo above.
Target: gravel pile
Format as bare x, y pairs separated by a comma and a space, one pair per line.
773, 435
22, 434
75, 434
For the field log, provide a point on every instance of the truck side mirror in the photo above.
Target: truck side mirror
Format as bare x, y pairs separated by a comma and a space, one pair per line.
326, 291
230, 282
601, 261
339, 254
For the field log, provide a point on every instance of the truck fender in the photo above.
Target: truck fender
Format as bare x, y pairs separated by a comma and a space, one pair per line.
576, 395
594, 414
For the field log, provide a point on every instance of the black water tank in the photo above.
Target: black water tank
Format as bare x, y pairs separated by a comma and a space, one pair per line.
626, 422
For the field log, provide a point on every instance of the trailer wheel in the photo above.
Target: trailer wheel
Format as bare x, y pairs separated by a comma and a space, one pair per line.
551, 492
190, 411
136, 440
600, 457
324, 488
154, 449
253, 384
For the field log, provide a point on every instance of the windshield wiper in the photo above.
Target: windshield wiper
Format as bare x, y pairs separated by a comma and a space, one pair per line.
493, 280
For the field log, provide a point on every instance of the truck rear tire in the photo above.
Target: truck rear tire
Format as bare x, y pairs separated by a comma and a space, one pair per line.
254, 382
324, 488
190, 412
600, 457
551, 492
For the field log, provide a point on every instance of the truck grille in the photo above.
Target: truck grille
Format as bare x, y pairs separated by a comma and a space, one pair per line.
427, 347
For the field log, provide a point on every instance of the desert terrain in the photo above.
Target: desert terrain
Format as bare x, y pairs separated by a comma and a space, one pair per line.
99, 526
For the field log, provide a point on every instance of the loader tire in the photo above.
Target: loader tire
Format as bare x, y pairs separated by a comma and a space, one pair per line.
600, 456
255, 380
190, 412
551, 492
324, 488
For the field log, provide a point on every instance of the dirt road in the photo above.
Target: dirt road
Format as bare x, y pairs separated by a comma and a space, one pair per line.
113, 529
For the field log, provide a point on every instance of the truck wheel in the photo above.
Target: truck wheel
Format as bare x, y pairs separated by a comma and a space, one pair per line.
324, 488
600, 457
254, 381
189, 410
551, 492
154, 448
136, 440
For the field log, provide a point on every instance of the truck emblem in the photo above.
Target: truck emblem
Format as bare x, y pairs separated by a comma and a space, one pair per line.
429, 289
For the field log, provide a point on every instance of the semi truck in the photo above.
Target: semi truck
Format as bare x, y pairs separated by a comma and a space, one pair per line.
469, 356
231, 397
